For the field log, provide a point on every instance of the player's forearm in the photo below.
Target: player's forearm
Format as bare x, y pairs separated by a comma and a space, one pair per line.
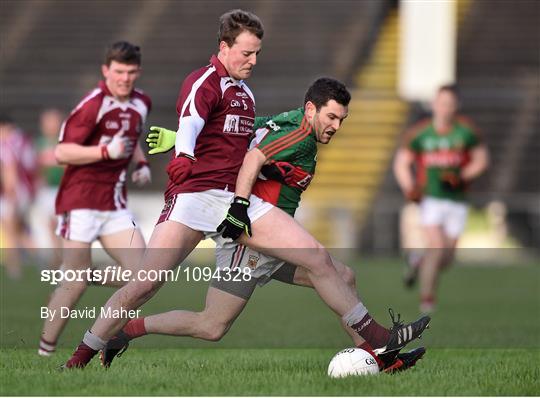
253, 161
402, 171
76, 154
478, 164
138, 155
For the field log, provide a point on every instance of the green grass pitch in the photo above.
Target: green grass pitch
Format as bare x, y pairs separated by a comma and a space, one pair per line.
484, 340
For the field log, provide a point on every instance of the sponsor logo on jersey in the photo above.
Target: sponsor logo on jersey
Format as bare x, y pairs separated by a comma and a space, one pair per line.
242, 94
112, 125
125, 114
273, 125
236, 124
304, 182
443, 158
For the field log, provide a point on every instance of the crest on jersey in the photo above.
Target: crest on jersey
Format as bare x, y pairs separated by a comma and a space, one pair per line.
252, 261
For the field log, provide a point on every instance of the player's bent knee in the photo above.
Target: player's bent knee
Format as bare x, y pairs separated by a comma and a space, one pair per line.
322, 263
213, 331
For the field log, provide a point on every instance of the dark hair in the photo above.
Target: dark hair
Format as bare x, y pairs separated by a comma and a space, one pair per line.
451, 88
124, 53
325, 89
234, 22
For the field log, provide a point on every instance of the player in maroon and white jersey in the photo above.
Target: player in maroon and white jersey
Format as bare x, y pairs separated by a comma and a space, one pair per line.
18, 172
216, 117
97, 142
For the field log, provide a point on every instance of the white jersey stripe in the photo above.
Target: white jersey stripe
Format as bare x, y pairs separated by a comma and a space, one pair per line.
189, 127
190, 99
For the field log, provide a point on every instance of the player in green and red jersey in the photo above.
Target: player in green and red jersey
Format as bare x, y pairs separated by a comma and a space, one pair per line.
448, 154
288, 142
50, 122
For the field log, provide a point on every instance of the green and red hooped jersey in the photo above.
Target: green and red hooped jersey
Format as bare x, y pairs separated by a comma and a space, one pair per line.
286, 137
440, 152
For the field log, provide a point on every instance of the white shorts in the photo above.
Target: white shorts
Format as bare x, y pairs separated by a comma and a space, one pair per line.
234, 256
204, 211
449, 214
86, 225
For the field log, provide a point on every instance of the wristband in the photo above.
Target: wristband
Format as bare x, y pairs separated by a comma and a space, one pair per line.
105, 153
241, 200
185, 155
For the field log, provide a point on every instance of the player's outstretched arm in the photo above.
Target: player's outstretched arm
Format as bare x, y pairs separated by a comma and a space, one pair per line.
160, 140
119, 147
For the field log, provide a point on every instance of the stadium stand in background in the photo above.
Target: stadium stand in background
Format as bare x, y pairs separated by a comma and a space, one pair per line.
50, 47
498, 75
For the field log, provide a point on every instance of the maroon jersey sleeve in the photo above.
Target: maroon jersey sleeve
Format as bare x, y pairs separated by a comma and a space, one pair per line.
82, 121
197, 97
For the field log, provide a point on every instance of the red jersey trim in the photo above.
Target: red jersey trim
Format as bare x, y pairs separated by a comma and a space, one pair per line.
413, 131
287, 140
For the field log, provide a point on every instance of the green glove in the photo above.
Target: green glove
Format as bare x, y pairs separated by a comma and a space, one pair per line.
160, 140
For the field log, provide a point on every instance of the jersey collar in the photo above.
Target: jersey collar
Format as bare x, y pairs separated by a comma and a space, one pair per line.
221, 71
103, 86
304, 123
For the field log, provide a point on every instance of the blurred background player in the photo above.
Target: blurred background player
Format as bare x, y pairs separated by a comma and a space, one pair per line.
18, 187
98, 141
50, 123
448, 154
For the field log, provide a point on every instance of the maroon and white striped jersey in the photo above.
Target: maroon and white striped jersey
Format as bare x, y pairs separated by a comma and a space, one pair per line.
100, 185
216, 117
18, 150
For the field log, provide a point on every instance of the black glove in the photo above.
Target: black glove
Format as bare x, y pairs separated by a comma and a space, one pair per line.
287, 174
277, 171
237, 220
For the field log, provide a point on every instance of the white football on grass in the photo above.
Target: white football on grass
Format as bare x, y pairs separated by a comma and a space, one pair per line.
352, 362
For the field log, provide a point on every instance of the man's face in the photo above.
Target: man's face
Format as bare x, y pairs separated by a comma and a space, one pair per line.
120, 78
241, 57
6, 128
327, 120
445, 105
51, 122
